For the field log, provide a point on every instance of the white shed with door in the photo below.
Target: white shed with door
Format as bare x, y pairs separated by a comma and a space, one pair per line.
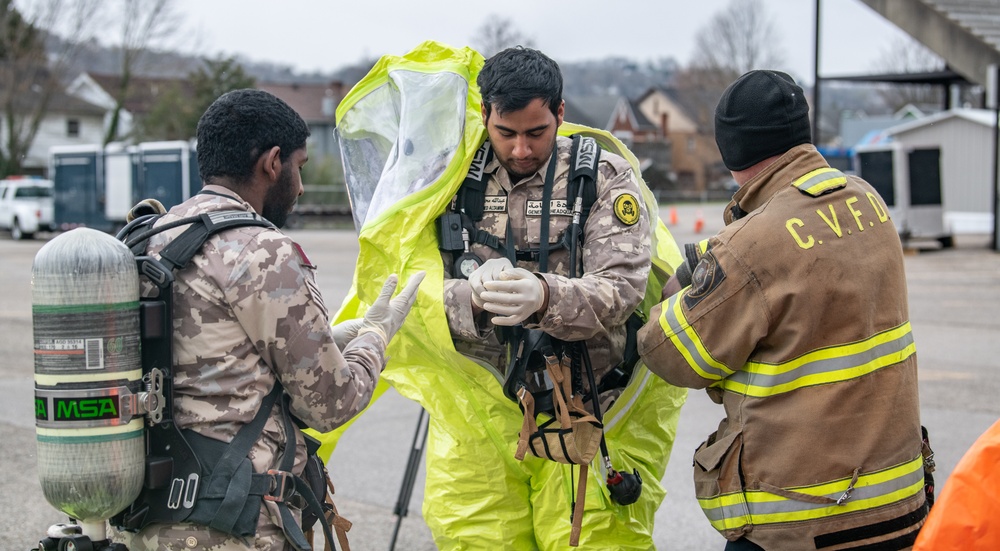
965, 138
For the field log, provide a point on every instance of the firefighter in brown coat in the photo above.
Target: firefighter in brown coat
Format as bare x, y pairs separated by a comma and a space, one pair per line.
795, 320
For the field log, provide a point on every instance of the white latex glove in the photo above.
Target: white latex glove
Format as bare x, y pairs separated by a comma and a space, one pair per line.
386, 314
345, 331
514, 296
487, 271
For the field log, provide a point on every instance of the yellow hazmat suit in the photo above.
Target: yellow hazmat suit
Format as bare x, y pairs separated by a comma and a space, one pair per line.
408, 134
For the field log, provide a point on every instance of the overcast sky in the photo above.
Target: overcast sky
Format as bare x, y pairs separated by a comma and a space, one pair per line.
326, 35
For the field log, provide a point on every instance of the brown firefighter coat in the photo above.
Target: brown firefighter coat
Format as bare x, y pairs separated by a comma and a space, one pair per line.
796, 321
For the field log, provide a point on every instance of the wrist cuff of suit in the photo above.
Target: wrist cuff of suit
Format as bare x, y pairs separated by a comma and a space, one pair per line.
377, 330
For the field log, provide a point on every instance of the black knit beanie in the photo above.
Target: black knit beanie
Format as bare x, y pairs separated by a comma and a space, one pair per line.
761, 114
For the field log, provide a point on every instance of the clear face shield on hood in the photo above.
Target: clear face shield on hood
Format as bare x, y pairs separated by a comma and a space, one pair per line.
399, 138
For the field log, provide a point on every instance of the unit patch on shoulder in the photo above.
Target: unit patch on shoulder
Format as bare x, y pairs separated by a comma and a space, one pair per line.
627, 209
705, 278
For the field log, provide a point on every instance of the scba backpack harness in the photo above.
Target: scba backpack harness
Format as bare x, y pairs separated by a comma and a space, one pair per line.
195, 479
546, 374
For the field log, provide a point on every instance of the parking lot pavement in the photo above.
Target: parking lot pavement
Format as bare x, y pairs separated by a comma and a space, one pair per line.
954, 295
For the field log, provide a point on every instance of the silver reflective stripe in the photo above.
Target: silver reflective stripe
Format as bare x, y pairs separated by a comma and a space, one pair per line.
871, 491
859, 494
827, 365
728, 511
818, 184
677, 327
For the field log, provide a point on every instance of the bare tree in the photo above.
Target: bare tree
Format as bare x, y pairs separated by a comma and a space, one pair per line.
498, 33
906, 55
143, 24
32, 75
737, 39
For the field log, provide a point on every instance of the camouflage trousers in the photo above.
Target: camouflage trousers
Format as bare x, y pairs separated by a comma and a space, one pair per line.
185, 537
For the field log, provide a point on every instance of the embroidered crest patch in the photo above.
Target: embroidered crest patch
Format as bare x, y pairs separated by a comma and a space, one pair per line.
627, 209
705, 278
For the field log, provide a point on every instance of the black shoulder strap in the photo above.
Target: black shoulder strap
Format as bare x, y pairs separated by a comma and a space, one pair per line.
471, 200
180, 251
472, 194
583, 171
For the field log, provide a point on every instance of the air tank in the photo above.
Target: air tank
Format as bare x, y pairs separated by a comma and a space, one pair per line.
88, 372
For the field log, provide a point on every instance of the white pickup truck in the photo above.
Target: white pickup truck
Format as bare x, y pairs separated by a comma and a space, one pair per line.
25, 206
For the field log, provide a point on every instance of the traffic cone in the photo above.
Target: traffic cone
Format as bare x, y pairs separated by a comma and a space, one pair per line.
699, 221
673, 216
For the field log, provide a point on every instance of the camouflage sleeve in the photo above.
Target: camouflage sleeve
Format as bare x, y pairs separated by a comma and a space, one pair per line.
458, 309
275, 299
615, 261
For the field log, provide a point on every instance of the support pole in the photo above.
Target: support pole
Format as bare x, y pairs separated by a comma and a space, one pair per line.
995, 92
816, 80
410, 474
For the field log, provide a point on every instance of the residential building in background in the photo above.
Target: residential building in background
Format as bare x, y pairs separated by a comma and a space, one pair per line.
68, 121
317, 104
696, 165
143, 94
620, 116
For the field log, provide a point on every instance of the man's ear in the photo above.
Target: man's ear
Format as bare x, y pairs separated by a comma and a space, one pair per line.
271, 163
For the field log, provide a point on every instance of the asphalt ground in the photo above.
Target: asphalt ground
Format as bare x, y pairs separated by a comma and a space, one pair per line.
954, 297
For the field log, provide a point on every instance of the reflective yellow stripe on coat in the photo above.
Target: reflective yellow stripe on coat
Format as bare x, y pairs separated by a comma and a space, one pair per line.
757, 507
820, 181
819, 367
688, 343
824, 366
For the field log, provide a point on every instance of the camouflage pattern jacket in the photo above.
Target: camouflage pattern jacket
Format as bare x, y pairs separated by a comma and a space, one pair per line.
615, 253
796, 319
248, 313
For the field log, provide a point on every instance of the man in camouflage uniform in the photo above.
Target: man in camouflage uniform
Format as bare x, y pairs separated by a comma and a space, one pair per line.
522, 109
248, 314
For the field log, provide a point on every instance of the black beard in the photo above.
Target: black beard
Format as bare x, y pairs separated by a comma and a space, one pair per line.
277, 203
274, 216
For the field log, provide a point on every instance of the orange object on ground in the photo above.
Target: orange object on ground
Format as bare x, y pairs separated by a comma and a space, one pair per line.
673, 216
699, 222
964, 517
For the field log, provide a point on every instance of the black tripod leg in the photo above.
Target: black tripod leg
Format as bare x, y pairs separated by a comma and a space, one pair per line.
410, 474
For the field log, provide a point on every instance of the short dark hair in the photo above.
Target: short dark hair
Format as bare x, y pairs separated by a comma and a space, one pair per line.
241, 125
513, 78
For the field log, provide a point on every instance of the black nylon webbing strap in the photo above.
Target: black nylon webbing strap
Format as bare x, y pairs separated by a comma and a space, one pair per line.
511, 251
223, 472
293, 531
543, 255
472, 194
583, 171
483, 237
180, 251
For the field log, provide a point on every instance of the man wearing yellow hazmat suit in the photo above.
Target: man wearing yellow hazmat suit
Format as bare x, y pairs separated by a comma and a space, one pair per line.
410, 133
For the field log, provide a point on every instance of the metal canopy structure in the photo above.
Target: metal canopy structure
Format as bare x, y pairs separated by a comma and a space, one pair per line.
965, 33
946, 77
